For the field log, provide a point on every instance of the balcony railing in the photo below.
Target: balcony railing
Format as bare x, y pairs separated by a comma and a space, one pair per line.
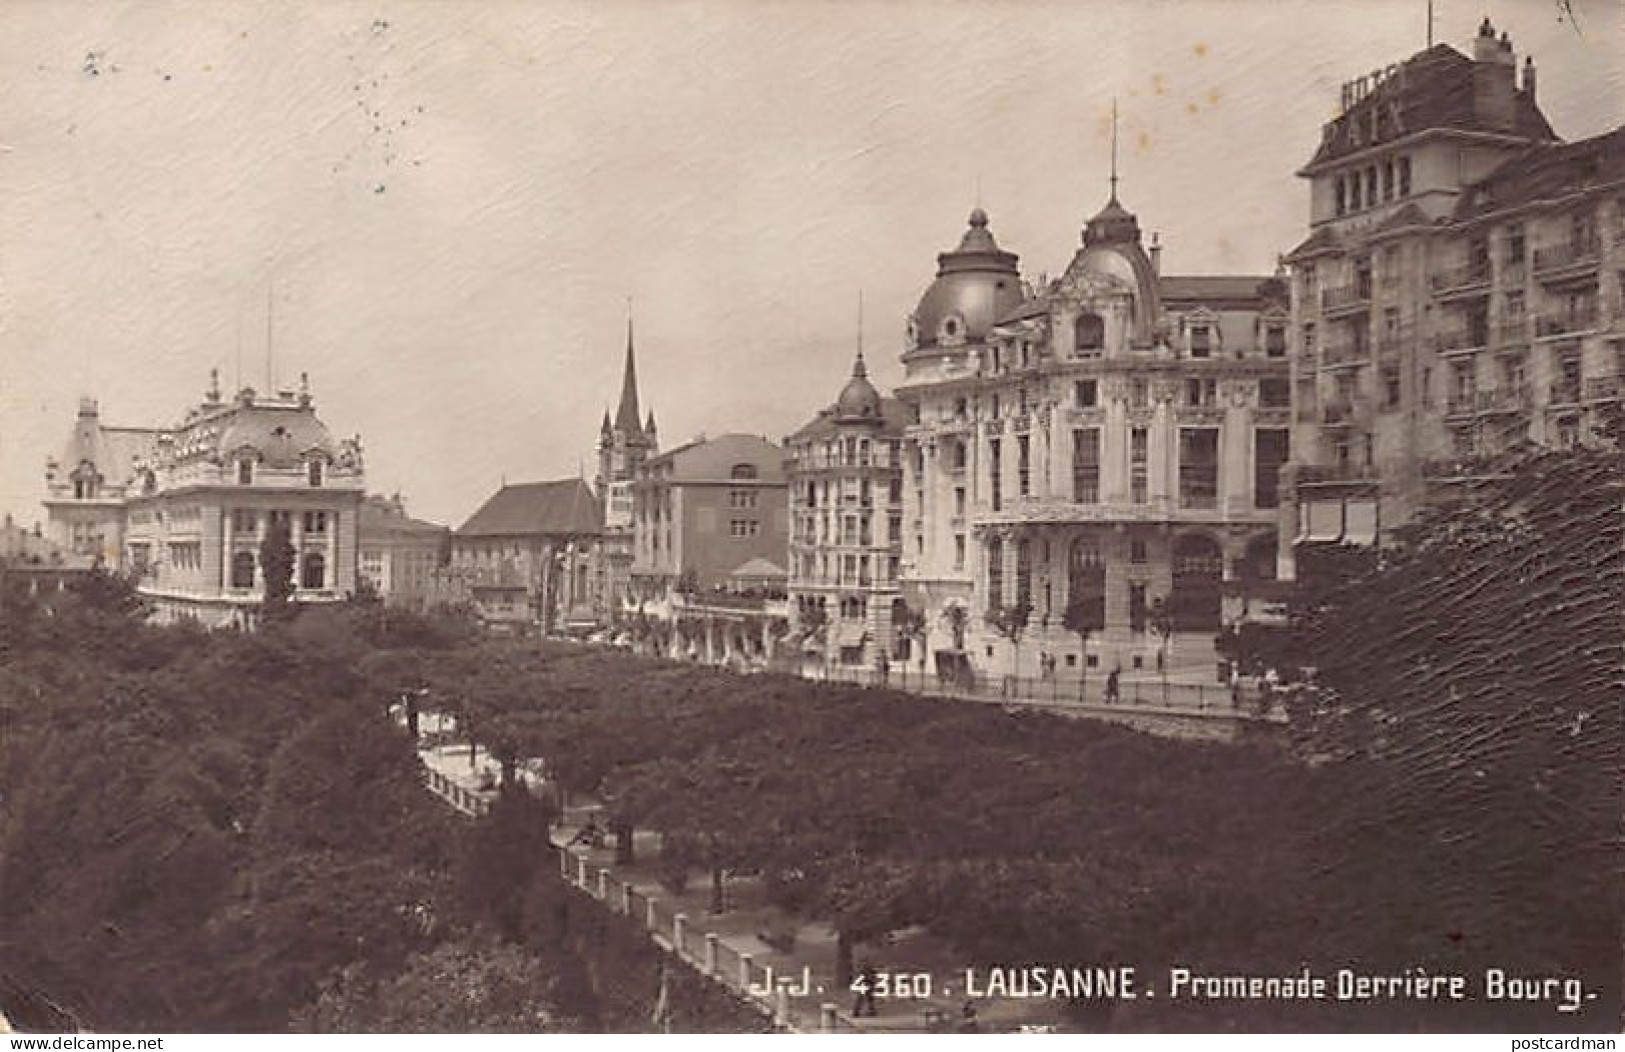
1512, 331
1346, 297
1577, 253
1605, 388
1311, 474
1509, 399
1513, 275
1461, 403
1564, 322
1454, 278
1457, 340
1337, 413
1344, 353
1563, 392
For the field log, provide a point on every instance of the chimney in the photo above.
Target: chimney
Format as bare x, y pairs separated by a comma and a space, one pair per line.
1494, 74
1156, 255
1529, 77
87, 407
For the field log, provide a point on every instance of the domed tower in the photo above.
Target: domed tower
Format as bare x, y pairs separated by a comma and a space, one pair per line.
1112, 255
859, 402
976, 283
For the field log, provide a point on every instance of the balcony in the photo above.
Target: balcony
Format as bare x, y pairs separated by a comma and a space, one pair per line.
1458, 341
1511, 399
1605, 388
1564, 323
1512, 275
1567, 260
1564, 392
1456, 281
1346, 298
1461, 403
1326, 474
1347, 354
1512, 332
1337, 414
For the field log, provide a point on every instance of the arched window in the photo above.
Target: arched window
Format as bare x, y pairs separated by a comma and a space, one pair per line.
743, 471
313, 571
995, 572
242, 570
1090, 334
313, 472
245, 471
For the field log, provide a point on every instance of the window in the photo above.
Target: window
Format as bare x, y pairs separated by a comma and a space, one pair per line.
1309, 341
1136, 608
242, 570
1274, 393
995, 572
1270, 449
1138, 393
313, 571
995, 490
1201, 393
245, 472
1404, 177
959, 501
1342, 197
313, 472
960, 409
1086, 393
956, 454
1136, 551
1354, 192
1023, 464
1388, 181
243, 521
315, 522
1137, 440
1390, 387
743, 471
993, 407
1086, 466
750, 528
1089, 336
1275, 341
1198, 467
1516, 246
959, 551
1201, 341
1024, 573
742, 498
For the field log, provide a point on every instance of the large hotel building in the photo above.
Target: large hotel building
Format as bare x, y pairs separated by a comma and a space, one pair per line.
1459, 292
1111, 440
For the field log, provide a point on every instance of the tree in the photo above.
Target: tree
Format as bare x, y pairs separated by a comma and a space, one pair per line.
815, 622
957, 618
1161, 622
1010, 622
910, 626
277, 568
1083, 617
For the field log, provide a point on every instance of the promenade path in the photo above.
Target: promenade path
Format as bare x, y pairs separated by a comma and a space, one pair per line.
785, 964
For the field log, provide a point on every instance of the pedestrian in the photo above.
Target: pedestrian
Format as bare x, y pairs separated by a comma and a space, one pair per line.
1111, 687
968, 1023
864, 1003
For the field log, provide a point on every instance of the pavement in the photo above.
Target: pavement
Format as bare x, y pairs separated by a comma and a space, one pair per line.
752, 928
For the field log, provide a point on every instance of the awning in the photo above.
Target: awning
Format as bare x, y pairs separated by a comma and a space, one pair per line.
1323, 521
852, 635
1361, 518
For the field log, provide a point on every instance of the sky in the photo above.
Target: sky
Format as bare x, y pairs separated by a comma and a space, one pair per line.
440, 211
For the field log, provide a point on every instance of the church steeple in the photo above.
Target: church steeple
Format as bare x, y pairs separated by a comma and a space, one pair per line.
626, 417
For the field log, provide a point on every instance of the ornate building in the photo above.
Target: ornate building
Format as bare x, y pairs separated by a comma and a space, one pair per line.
1109, 441
1459, 292
623, 446
186, 508
846, 524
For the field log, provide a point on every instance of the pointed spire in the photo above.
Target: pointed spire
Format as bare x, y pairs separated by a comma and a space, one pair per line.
626, 417
604, 427
1114, 147
649, 428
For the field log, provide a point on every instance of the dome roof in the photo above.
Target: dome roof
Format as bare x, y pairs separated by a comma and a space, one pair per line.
1113, 224
976, 284
859, 400
280, 436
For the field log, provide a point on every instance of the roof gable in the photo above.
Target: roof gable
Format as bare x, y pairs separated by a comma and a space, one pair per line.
560, 508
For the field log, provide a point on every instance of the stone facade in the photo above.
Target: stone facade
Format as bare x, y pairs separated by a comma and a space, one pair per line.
1109, 441
401, 557
845, 471
1459, 294
186, 508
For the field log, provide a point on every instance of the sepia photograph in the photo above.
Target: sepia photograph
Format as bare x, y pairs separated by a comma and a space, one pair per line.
876, 517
